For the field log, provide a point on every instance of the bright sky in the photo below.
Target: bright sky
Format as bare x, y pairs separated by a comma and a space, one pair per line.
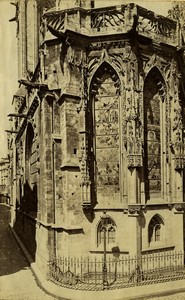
8, 54
159, 7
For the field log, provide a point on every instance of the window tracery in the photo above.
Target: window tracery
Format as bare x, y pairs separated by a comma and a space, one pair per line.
108, 227
155, 229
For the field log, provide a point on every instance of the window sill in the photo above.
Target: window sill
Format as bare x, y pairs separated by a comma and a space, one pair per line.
109, 250
159, 247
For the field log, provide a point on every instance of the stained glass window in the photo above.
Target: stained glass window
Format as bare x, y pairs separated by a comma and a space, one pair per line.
105, 108
152, 136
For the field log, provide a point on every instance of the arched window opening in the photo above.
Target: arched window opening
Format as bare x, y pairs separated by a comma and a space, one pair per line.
29, 143
105, 107
108, 226
155, 230
154, 134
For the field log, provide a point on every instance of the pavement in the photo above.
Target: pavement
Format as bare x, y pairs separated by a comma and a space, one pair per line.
17, 281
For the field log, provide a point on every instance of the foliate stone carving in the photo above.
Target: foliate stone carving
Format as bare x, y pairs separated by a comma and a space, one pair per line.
177, 121
160, 26
107, 19
84, 158
53, 21
107, 45
115, 59
85, 178
84, 167
134, 156
179, 159
153, 61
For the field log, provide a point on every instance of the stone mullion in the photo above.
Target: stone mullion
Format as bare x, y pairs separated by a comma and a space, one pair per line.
123, 141
84, 133
132, 172
176, 145
134, 155
39, 203
46, 182
168, 141
141, 121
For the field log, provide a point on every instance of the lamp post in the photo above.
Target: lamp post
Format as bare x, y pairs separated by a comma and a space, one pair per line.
104, 227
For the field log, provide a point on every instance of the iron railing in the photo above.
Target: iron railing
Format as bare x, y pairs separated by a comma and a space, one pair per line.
125, 271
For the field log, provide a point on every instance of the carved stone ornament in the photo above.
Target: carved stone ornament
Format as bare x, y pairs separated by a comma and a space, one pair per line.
134, 156
76, 58
159, 26
179, 159
106, 19
179, 207
134, 209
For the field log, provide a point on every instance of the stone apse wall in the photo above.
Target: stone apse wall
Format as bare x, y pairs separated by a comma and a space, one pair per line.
105, 133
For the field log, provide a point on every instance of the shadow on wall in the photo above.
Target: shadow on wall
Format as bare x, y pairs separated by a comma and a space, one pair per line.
12, 259
26, 214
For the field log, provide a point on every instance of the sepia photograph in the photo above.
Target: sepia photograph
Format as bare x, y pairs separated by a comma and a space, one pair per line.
92, 150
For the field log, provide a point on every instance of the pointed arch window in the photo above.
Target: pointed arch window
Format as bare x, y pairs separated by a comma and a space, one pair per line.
105, 138
109, 227
28, 153
154, 134
155, 230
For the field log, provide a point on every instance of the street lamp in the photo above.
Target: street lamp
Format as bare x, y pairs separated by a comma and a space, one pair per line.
104, 219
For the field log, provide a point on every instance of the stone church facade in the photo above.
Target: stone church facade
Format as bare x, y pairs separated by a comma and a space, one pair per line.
97, 129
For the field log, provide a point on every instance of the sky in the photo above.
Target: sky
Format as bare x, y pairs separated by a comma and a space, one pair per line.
8, 55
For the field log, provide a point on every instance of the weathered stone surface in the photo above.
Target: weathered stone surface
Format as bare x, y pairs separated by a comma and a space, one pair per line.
107, 133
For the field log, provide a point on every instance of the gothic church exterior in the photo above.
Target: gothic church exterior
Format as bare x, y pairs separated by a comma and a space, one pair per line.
98, 128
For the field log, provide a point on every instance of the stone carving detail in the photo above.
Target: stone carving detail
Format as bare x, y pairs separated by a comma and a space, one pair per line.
84, 158
107, 19
84, 166
53, 21
156, 25
115, 59
132, 132
179, 160
176, 142
134, 209
134, 150
76, 58
107, 45
179, 207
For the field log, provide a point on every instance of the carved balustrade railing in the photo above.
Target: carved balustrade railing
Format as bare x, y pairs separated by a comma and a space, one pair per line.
107, 18
158, 26
114, 19
122, 270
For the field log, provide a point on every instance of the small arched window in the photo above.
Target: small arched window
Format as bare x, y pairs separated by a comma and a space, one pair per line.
108, 226
155, 229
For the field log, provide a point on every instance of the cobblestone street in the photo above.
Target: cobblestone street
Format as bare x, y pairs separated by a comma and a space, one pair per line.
16, 279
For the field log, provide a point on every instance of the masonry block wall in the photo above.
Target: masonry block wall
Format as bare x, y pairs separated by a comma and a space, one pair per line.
103, 131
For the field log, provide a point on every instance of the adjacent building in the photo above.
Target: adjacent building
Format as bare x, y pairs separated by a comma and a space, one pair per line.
98, 130
4, 180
